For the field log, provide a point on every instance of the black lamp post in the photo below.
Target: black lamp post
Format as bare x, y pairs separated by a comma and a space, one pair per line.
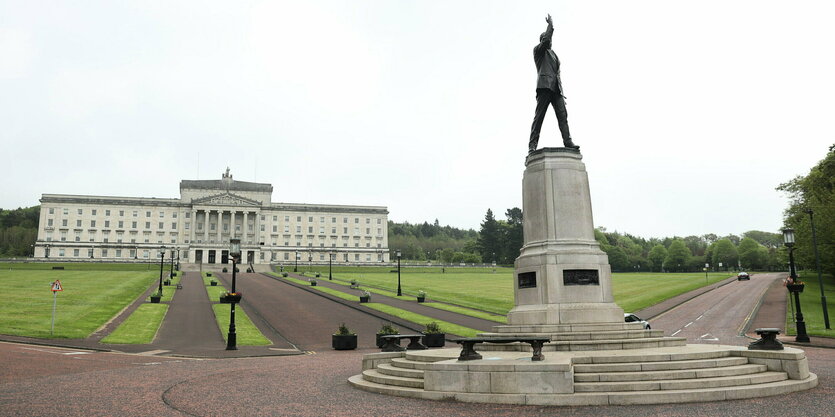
161, 262
178, 259
296, 266
399, 291
330, 266
47, 251
171, 273
794, 287
818, 268
235, 254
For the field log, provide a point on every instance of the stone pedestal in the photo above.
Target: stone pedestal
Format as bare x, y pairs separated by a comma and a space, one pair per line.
562, 277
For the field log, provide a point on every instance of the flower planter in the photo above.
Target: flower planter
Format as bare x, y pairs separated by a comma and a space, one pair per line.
225, 270
155, 299
364, 299
344, 341
214, 283
284, 274
167, 282
421, 299
208, 274
230, 298
434, 339
318, 275
312, 283
795, 287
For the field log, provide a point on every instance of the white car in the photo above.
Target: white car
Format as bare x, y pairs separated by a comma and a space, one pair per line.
631, 318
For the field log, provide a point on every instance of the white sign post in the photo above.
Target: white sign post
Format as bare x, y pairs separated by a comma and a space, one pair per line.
56, 286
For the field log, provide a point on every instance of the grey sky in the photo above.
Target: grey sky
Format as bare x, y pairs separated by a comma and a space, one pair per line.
688, 113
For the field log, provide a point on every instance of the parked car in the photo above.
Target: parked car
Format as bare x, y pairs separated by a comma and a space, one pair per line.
743, 275
631, 318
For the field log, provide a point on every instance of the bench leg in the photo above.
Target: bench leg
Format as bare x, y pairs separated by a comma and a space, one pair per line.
767, 341
468, 352
414, 344
392, 345
537, 351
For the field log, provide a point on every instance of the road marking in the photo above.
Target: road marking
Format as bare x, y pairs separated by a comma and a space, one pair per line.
700, 316
676, 332
76, 353
706, 334
153, 352
688, 324
58, 352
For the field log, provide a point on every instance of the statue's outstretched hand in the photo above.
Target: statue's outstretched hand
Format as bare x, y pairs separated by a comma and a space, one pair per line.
548, 19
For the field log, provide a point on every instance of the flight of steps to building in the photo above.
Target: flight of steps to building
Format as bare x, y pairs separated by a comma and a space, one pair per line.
663, 375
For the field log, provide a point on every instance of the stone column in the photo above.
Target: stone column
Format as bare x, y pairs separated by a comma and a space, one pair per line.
205, 233
192, 226
244, 229
219, 238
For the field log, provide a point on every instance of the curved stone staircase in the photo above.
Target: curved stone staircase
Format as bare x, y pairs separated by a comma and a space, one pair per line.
656, 375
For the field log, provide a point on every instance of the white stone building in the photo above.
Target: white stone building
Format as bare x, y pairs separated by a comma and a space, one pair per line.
200, 223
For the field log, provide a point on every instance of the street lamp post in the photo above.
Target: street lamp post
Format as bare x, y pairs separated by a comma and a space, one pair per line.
296, 266
794, 288
818, 267
171, 272
330, 266
161, 262
235, 253
178, 259
399, 290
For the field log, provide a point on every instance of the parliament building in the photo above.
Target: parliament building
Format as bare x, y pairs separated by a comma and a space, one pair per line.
196, 228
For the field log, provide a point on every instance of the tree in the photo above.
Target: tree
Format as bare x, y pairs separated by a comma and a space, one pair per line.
767, 239
512, 238
816, 192
618, 259
489, 238
725, 252
678, 256
752, 255
656, 257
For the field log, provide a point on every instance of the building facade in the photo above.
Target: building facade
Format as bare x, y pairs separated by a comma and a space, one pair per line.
197, 227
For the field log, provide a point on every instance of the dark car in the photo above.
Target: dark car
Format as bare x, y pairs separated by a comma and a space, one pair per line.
743, 275
631, 318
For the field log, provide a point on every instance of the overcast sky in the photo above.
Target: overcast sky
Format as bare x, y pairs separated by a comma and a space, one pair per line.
689, 114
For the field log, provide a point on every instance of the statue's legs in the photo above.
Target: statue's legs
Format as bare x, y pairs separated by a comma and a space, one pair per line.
558, 102
543, 98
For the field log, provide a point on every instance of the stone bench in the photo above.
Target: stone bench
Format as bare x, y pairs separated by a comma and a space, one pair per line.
468, 352
391, 342
768, 340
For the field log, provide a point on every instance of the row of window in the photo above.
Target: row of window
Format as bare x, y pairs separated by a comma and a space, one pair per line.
106, 253
94, 212
120, 224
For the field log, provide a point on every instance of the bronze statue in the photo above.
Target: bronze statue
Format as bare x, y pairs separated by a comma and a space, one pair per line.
548, 89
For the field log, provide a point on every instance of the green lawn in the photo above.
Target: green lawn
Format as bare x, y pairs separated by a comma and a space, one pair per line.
446, 327
247, 333
468, 312
810, 303
89, 300
141, 327
481, 289
81, 266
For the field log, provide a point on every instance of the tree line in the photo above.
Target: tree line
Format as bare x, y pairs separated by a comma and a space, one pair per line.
18, 231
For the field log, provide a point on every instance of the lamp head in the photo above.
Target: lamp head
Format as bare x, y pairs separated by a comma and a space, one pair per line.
788, 237
235, 248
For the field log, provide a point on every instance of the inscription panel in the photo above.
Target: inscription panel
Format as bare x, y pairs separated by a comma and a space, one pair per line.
527, 280
580, 277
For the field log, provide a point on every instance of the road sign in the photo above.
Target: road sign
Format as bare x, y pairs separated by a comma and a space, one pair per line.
56, 286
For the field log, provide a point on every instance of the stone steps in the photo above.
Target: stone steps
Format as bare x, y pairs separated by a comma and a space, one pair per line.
669, 374
398, 381
588, 345
396, 370
660, 366
683, 384
601, 335
409, 364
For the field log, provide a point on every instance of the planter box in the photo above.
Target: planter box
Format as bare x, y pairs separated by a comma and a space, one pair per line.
230, 299
225, 270
167, 282
214, 283
155, 299
434, 339
208, 274
312, 283
795, 287
344, 342
364, 299
284, 274
421, 299
318, 275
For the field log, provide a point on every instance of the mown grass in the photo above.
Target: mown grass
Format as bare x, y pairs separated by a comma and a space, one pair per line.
247, 333
80, 266
141, 327
812, 306
468, 312
446, 327
89, 300
481, 289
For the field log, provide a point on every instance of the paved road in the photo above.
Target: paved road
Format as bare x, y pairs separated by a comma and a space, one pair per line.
717, 316
39, 381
